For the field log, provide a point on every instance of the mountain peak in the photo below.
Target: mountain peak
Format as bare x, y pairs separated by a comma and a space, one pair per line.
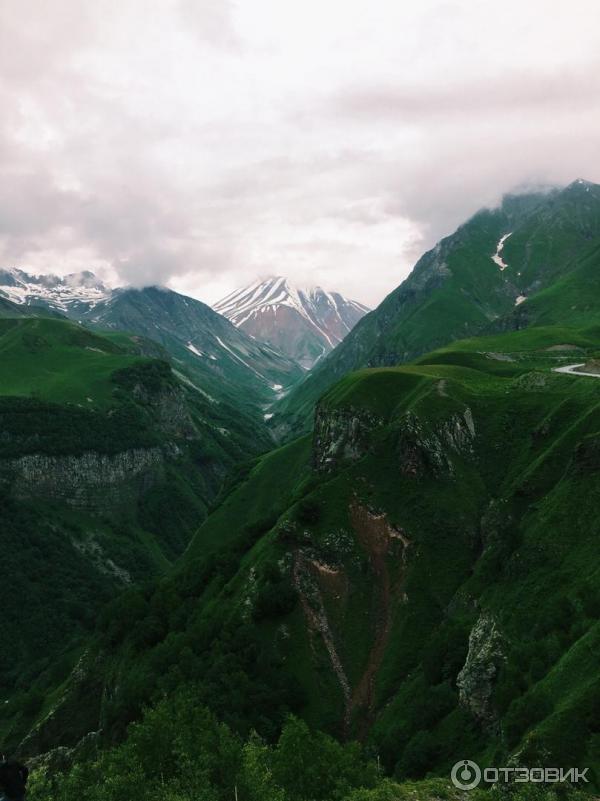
579, 185
52, 291
303, 322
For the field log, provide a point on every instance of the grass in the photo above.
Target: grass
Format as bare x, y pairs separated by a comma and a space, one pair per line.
59, 362
476, 472
258, 500
487, 463
501, 523
66, 392
442, 513
455, 292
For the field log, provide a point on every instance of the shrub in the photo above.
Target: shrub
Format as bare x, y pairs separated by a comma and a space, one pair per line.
420, 752
308, 512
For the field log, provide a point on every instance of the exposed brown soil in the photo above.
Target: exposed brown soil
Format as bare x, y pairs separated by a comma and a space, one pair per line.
307, 575
313, 580
377, 537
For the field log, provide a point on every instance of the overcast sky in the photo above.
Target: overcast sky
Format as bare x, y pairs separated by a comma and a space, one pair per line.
203, 144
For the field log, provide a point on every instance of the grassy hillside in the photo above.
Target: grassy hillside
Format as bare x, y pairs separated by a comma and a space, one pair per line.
226, 363
569, 301
419, 575
8, 309
62, 363
108, 463
456, 290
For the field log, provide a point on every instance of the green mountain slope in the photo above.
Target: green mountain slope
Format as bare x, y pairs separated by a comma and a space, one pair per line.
60, 362
457, 290
107, 464
10, 309
569, 300
221, 359
420, 574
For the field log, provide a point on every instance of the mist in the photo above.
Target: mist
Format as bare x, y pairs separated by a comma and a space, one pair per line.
201, 145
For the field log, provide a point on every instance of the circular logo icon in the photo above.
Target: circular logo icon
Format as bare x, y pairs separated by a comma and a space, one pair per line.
466, 775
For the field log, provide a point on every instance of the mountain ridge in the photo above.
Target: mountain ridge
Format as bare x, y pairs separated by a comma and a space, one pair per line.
108, 461
201, 340
457, 289
304, 322
370, 566
215, 355
59, 293
419, 573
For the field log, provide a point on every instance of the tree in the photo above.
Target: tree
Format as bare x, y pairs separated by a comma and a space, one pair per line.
312, 765
257, 781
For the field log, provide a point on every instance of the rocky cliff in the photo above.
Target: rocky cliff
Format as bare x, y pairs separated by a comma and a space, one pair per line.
92, 481
341, 435
345, 434
478, 676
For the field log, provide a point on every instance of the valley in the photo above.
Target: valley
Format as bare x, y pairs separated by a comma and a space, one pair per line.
386, 555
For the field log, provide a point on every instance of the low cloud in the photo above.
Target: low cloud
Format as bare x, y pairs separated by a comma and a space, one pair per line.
511, 94
207, 143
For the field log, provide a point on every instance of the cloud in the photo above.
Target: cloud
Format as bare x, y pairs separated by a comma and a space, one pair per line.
212, 21
209, 142
513, 94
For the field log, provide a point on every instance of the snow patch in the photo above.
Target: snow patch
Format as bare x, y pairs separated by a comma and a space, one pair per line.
325, 312
238, 358
58, 293
194, 350
497, 258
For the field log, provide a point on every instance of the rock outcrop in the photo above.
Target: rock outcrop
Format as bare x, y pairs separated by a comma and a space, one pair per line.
344, 435
94, 481
169, 409
476, 680
422, 450
80, 700
341, 435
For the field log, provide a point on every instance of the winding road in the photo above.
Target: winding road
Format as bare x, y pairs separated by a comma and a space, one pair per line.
571, 369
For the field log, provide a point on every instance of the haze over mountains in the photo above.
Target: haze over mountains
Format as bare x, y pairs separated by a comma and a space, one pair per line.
488, 274
260, 542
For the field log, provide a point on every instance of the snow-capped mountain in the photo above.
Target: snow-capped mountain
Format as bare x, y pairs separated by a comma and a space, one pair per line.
68, 294
302, 323
222, 361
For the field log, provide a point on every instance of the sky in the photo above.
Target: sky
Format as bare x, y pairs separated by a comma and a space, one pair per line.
203, 144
